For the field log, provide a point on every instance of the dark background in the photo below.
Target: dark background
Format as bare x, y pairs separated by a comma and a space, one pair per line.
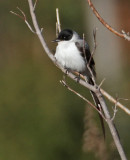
39, 118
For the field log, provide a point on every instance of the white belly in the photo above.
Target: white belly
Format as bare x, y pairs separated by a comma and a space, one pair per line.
68, 56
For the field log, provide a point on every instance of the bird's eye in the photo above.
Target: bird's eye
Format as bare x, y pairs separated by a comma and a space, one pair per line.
64, 37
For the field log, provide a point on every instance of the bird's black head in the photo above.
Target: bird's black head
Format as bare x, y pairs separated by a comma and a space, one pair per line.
64, 35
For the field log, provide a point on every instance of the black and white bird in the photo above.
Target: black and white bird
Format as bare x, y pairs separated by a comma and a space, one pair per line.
73, 53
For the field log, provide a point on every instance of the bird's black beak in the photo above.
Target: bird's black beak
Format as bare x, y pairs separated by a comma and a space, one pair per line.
55, 40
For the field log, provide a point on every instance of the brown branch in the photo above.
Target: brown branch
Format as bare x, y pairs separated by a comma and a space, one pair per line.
122, 35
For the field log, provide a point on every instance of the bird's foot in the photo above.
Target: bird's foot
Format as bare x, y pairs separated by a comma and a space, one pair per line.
65, 74
77, 78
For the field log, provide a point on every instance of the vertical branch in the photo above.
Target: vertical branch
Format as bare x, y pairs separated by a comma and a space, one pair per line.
95, 45
58, 20
84, 48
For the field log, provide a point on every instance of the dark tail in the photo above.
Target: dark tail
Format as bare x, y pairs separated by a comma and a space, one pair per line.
98, 105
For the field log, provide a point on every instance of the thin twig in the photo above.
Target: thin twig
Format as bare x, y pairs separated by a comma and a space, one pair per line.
113, 100
122, 35
16, 14
92, 54
57, 32
115, 107
84, 48
23, 18
58, 20
115, 111
34, 6
95, 45
99, 86
82, 97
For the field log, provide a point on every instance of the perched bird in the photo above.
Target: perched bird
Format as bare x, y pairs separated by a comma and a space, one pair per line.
73, 54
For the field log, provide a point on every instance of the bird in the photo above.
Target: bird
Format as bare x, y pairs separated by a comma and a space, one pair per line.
73, 53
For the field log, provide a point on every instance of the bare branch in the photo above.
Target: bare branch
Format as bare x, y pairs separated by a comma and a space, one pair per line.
82, 97
115, 111
115, 107
16, 14
92, 54
34, 6
41, 30
99, 86
95, 45
88, 64
122, 35
57, 31
23, 18
84, 48
58, 20
113, 100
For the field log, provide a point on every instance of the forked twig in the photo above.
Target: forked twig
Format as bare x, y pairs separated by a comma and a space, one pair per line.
23, 17
115, 107
114, 110
113, 100
122, 35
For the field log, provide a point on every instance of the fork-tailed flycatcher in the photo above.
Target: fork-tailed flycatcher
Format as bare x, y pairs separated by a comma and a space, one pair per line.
73, 53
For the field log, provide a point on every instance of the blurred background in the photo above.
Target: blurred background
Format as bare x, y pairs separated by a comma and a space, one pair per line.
39, 118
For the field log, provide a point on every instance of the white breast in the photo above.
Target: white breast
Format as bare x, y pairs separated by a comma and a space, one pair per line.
67, 54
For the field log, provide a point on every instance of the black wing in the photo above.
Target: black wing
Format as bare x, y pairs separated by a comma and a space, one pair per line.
86, 55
